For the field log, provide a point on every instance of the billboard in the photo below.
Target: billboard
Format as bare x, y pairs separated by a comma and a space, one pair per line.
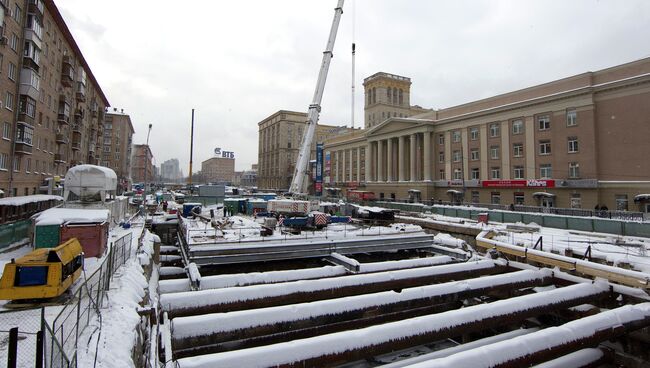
327, 174
318, 185
531, 183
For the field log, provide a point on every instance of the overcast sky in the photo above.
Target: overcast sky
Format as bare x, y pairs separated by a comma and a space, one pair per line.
237, 62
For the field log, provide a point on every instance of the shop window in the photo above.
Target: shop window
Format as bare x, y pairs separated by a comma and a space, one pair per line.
519, 198
495, 197
621, 202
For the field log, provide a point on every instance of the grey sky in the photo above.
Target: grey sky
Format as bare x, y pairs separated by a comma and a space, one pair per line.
237, 62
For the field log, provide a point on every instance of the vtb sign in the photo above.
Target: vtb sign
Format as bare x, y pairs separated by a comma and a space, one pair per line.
224, 154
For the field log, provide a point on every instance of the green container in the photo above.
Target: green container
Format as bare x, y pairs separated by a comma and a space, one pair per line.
47, 236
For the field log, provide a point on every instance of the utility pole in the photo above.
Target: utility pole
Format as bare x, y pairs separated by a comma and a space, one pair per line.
191, 151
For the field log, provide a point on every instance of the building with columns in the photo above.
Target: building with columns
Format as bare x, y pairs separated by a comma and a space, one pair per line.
576, 142
387, 95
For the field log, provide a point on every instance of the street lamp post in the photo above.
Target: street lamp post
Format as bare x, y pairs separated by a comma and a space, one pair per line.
146, 163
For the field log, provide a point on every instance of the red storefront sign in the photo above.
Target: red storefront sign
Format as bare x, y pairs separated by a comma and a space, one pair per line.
532, 183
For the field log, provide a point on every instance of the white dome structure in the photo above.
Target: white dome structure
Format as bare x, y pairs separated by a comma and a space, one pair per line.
90, 182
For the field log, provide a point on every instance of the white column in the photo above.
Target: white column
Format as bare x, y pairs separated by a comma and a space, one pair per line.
359, 164
351, 166
336, 169
401, 160
412, 157
368, 168
342, 159
389, 159
530, 147
380, 161
427, 156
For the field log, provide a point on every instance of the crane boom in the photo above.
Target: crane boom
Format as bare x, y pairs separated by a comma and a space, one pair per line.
298, 181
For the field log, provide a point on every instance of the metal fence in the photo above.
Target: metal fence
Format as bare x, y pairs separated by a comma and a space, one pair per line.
60, 336
84, 306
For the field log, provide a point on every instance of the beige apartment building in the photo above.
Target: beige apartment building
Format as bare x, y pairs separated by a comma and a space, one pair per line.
117, 143
576, 142
52, 107
279, 142
218, 170
142, 166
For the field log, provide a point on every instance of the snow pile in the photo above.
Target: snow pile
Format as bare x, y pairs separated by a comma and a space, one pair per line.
19, 201
298, 350
58, 216
448, 240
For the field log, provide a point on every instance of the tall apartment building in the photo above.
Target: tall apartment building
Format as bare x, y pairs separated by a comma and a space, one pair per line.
218, 170
142, 164
576, 142
387, 95
170, 171
117, 143
279, 142
52, 107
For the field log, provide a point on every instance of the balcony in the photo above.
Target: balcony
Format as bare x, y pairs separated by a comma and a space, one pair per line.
34, 31
36, 7
64, 110
81, 92
24, 138
29, 83
59, 158
61, 138
67, 71
23, 148
32, 56
26, 110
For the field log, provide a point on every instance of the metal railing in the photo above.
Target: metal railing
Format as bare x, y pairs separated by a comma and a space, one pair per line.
61, 337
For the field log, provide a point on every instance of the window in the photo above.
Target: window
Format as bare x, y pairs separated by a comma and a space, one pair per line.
441, 175
473, 133
518, 150
473, 154
24, 134
495, 130
545, 147
496, 173
17, 14
517, 127
16, 164
518, 172
27, 106
441, 157
456, 156
9, 101
545, 171
13, 43
455, 136
621, 202
12, 72
494, 152
476, 175
576, 200
519, 198
495, 197
574, 170
544, 122
441, 139
6, 131
458, 175
475, 196
28, 165
573, 144
3, 161
571, 117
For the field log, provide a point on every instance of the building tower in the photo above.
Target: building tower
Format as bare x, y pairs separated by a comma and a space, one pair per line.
386, 95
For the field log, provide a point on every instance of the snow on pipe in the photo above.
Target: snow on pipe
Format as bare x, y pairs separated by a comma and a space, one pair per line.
186, 327
205, 298
577, 359
460, 348
389, 336
255, 278
550, 342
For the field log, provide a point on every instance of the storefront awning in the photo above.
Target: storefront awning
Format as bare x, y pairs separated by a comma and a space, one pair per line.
543, 194
414, 191
454, 191
642, 198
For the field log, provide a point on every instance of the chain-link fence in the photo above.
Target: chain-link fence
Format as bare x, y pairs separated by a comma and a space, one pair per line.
63, 334
28, 323
59, 339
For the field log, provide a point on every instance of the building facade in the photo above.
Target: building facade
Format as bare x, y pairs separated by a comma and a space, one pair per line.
117, 143
170, 171
218, 170
142, 169
52, 108
279, 142
576, 142
387, 95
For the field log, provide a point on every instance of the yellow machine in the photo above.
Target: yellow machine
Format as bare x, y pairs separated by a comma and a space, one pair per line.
43, 273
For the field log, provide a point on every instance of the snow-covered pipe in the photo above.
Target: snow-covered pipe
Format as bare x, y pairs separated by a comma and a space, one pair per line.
534, 347
396, 335
221, 300
271, 277
221, 323
577, 359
